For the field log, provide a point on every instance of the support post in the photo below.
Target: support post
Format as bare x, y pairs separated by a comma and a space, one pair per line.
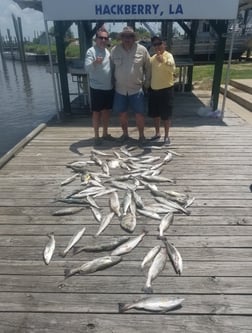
60, 30
221, 29
194, 28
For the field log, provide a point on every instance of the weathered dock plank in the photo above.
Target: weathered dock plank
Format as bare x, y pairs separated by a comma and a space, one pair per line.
214, 241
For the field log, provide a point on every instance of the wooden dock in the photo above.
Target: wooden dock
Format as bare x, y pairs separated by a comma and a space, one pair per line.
215, 241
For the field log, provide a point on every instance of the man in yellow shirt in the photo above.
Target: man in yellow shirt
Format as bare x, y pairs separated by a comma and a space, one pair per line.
161, 88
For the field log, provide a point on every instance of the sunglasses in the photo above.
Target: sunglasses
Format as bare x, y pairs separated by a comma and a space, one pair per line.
102, 38
157, 44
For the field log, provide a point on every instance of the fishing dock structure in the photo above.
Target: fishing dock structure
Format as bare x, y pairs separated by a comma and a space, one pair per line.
214, 241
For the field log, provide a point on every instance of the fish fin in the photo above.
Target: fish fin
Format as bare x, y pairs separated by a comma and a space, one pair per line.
161, 237
147, 290
121, 307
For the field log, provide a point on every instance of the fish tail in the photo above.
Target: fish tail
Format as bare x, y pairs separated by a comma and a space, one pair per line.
188, 212
161, 237
62, 254
148, 290
145, 231
76, 249
67, 272
122, 307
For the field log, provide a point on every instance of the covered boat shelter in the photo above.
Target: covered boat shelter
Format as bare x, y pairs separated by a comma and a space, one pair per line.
63, 13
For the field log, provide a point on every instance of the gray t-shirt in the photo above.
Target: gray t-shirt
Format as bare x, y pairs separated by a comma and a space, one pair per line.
99, 74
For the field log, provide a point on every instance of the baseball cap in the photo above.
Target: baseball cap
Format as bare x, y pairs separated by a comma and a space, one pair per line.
156, 38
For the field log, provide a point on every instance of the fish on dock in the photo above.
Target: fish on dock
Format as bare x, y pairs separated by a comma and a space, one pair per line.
68, 211
102, 246
74, 239
175, 256
49, 248
153, 304
129, 245
155, 269
93, 266
150, 255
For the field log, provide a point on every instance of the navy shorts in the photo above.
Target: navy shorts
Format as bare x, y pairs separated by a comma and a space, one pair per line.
161, 103
135, 102
101, 99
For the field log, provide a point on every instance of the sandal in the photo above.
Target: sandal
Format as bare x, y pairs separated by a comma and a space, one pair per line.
108, 137
155, 138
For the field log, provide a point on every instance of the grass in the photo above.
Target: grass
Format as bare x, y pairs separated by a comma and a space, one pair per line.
239, 70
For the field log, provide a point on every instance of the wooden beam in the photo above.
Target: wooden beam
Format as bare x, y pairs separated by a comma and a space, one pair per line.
60, 29
221, 29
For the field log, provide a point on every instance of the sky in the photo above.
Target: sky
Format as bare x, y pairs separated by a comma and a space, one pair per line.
31, 19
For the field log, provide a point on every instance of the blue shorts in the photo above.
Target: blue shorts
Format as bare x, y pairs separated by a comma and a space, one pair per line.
122, 103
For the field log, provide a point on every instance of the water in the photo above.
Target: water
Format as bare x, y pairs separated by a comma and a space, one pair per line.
26, 100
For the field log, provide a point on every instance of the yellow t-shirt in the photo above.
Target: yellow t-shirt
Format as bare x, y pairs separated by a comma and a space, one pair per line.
162, 73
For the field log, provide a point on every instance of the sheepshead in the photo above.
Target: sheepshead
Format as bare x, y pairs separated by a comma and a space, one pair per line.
174, 256
138, 200
104, 223
126, 201
68, 211
149, 213
74, 239
155, 269
128, 222
93, 265
97, 214
114, 203
152, 303
102, 246
150, 255
49, 248
129, 245
166, 221
69, 179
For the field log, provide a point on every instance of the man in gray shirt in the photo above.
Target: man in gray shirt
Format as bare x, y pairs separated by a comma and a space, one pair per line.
97, 65
131, 72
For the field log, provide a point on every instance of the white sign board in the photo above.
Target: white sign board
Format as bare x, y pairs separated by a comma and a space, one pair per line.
151, 10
